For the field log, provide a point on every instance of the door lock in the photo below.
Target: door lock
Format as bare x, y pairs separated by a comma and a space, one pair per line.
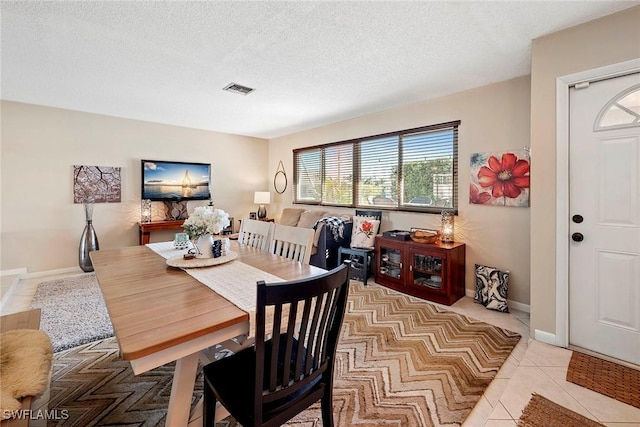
577, 219
577, 237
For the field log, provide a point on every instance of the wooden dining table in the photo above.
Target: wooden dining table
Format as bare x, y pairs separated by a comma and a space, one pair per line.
161, 314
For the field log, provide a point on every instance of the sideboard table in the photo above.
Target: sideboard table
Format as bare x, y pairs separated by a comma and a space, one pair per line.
145, 228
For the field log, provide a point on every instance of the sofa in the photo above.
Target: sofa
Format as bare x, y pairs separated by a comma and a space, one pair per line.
324, 253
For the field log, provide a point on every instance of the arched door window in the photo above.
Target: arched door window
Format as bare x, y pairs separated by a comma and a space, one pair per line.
622, 111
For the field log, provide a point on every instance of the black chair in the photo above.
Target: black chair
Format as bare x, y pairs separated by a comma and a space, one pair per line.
363, 258
277, 378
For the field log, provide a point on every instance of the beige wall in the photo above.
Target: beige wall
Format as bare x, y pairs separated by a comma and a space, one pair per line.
40, 224
494, 118
605, 41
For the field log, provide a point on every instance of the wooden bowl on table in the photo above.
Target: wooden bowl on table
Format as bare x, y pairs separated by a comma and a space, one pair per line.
420, 235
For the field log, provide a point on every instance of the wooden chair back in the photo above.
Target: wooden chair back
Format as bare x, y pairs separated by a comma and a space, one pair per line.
256, 234
295, 354
376, 214
294, 243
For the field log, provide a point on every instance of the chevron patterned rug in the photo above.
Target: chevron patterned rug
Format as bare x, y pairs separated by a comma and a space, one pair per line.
401, 362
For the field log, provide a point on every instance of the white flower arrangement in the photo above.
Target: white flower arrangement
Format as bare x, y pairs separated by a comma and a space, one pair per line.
205, 220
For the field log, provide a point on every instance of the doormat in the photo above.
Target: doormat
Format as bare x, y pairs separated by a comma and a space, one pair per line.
542, 412
611, 379
73, 311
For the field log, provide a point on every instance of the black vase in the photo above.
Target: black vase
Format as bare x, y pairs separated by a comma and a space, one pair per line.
88, 240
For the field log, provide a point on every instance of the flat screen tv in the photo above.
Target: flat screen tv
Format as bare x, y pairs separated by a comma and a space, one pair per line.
175, 181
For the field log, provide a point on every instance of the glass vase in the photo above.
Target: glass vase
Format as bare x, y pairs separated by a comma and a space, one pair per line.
88, 240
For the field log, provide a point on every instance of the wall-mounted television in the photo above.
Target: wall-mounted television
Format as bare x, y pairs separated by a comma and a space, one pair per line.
175, 181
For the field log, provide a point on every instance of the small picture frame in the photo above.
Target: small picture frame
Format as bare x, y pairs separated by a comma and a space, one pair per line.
253, 215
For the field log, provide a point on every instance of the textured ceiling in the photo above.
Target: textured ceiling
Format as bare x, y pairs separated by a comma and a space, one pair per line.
311, 63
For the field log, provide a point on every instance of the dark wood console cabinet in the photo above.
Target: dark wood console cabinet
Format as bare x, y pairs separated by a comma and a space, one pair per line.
431, 271
145, 228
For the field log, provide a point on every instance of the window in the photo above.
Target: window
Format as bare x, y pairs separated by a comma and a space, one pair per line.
621, 112
413, 170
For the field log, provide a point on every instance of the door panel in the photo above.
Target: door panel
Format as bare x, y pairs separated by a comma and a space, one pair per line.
618, 181
604, 267
617, 308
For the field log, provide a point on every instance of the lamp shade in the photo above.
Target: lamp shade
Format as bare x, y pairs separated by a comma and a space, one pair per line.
262, 198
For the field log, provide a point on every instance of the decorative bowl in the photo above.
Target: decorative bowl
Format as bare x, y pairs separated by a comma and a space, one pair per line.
420, 235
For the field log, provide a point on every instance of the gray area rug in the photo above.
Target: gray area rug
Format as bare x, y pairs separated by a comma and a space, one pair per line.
73, 311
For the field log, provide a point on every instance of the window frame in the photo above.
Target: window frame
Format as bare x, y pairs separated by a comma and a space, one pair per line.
356, 173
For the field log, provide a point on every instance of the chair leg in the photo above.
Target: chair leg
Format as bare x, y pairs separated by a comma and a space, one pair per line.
209, 407
365, 265
326, 405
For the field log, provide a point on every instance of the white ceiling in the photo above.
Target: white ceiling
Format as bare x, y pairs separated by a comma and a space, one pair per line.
311, 62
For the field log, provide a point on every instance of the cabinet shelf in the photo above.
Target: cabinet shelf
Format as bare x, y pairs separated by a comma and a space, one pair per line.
419, 263
391, 263
432, 272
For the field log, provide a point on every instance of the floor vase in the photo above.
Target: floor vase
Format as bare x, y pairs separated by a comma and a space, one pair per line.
88, 240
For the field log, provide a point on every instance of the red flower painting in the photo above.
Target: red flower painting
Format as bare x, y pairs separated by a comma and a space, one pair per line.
505, 175
476, 197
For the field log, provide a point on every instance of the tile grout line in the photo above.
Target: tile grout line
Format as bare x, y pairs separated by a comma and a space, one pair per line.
567, 391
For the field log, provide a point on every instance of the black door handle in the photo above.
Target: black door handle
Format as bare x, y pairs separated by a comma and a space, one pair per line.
577, 237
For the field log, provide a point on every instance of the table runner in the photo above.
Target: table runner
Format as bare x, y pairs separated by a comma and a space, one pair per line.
235, 280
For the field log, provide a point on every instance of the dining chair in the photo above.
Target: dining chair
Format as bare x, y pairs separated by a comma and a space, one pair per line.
293, 243
256, 234
363, 257
291, 365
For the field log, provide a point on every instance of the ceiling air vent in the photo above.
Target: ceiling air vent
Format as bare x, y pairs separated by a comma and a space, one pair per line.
236, 88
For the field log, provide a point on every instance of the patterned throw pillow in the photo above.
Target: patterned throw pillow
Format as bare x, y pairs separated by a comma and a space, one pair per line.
175, 210
491, 288
364, 232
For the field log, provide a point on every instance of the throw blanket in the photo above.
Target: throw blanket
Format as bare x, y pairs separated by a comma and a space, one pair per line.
336, 225
25, 363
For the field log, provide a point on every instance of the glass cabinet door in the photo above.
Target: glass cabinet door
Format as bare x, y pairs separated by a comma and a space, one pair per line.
390, 262
427, 270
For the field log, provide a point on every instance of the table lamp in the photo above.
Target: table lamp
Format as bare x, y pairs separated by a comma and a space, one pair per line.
262, 198
446, 229
145, 210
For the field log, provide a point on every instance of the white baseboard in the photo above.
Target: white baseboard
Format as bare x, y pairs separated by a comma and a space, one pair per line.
36, 274
14, 272
545, 337
519, 306
512, 304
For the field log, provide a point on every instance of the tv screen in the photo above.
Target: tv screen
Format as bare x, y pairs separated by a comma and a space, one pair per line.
175, 181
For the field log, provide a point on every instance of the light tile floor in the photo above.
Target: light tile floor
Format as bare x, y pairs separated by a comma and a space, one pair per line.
533, 366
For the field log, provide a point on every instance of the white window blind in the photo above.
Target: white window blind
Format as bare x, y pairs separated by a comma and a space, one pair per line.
308, 176
414, 170
428, 165
378, 167
337, 188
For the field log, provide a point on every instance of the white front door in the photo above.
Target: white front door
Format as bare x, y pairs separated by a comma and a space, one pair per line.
604, 206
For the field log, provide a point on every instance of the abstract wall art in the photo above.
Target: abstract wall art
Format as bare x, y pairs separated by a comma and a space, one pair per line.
100, 183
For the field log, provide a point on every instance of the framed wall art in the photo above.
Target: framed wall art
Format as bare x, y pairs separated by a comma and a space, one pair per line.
500, 178
100, 183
